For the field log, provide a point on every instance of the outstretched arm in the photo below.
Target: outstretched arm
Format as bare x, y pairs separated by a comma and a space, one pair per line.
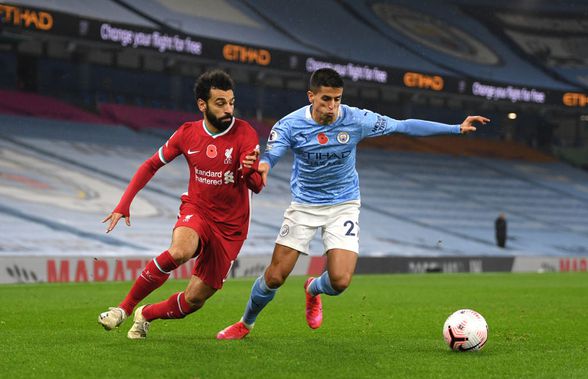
374, 125
164, 155
140, 179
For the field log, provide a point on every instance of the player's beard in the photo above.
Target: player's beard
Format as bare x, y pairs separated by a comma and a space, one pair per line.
220, 124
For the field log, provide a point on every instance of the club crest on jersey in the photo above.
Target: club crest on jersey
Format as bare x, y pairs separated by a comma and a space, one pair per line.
211, 151
187, 218
322, 138
343, 137
228, 158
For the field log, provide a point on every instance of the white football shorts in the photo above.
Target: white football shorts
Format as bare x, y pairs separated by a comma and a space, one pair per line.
339, 225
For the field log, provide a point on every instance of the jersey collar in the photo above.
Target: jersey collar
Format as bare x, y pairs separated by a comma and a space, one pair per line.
218, 134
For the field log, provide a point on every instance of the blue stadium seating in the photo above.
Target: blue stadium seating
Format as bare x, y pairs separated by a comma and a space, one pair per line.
467, 48
8, 72
412, 203
229, 20
328, 27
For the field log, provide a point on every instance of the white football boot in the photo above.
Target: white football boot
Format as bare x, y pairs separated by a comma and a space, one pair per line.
112, 318
140, 326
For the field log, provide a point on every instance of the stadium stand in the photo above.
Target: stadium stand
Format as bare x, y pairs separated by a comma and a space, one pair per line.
454, 39
8, 72
356, 41
161, 121
23, 103
92, 84
107, 9
459, 146
64, 175
553, 39
78, 115
461, 196
225, 19
145, 118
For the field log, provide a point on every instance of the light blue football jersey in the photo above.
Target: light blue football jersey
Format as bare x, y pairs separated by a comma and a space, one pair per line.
324, 155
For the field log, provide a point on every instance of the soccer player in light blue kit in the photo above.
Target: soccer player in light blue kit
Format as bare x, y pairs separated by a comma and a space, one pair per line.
325, 191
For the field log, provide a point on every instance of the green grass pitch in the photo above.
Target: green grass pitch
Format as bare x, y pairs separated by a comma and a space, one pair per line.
383, 326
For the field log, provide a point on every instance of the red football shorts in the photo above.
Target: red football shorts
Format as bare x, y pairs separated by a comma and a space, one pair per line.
216, 254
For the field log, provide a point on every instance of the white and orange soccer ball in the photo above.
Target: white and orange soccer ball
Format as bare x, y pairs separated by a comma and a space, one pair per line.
465, 330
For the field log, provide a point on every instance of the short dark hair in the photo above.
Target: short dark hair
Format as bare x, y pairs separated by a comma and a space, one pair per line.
212, 79
325, 77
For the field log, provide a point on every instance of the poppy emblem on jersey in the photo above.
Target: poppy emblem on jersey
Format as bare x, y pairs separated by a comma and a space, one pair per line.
272, 136
343, 137
285, 230
228, 158
211, 151
322, 138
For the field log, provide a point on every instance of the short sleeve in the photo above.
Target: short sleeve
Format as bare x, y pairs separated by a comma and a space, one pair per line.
278, 143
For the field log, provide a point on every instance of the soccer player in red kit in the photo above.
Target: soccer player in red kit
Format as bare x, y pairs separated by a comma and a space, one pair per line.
221, 152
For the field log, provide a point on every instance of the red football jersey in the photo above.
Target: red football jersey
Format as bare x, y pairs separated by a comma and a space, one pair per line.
219, 187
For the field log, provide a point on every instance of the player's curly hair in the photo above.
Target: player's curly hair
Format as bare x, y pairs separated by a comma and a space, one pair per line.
212, 79
325, 77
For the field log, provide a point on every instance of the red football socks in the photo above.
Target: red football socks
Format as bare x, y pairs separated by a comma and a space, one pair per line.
174, 307
153, 276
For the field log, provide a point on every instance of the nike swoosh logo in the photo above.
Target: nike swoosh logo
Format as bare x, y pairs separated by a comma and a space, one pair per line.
190, 152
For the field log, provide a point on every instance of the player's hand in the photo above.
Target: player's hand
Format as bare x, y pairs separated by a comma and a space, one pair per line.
114, 217
263, 169
467, 126
250, 159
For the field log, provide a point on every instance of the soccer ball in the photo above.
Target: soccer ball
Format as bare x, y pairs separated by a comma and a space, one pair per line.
465, 330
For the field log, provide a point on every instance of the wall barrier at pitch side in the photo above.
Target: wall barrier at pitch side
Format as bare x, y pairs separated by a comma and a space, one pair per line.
61, 269
68, 269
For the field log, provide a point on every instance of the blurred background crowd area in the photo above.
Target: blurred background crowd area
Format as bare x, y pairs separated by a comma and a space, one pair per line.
88, 90
524, 64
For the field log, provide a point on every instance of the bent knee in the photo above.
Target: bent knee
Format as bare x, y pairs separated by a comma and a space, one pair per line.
341, 283
181, 254
274, 279
195, 301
